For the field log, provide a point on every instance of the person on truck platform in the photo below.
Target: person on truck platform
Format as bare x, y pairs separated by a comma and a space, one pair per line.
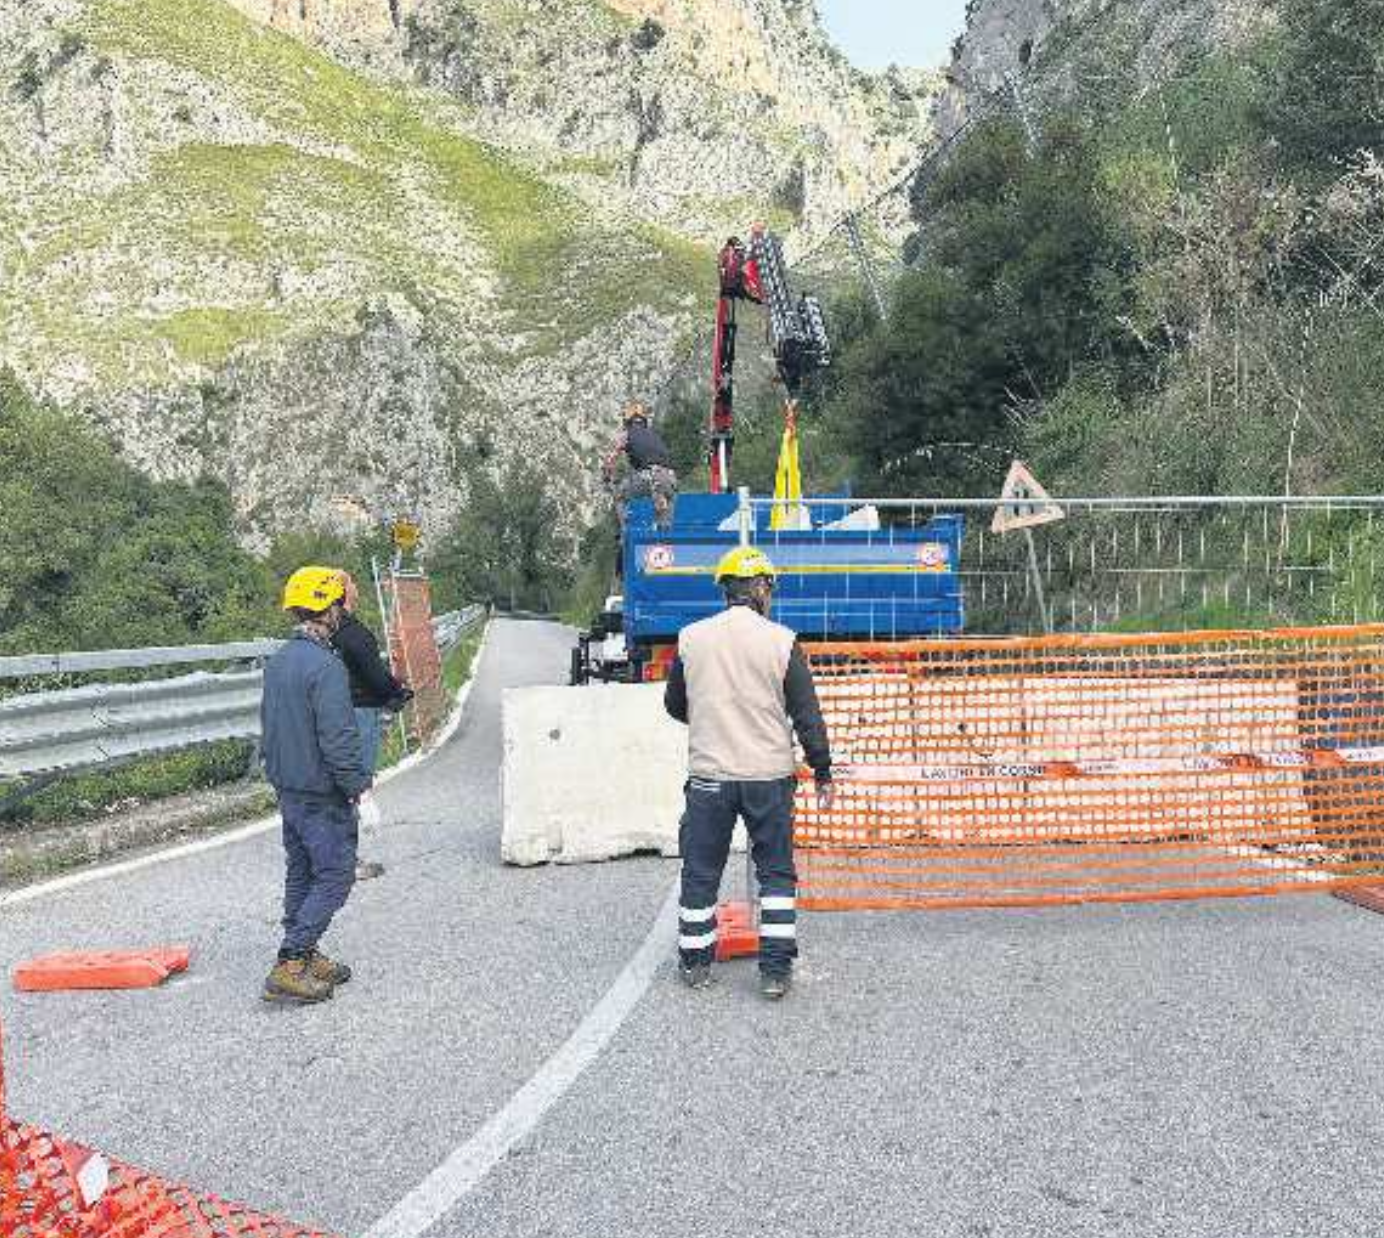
650, 473
315, 762
742, 685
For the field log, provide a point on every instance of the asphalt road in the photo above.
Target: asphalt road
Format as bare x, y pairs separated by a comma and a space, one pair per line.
1203, 1069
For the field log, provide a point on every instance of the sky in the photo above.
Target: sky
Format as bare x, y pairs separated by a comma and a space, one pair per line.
876, 33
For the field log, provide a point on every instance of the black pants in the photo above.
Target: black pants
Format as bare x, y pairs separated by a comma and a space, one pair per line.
707, 825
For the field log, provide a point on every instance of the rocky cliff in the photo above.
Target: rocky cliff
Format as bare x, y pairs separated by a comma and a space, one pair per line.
330, 248
1047, 47
690, 112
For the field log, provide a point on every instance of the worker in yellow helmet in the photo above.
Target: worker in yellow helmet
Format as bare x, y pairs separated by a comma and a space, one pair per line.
314, 760
743, 687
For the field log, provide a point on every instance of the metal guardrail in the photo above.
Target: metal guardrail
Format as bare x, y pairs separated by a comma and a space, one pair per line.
80, 728
33, 665
103, 724
448, 629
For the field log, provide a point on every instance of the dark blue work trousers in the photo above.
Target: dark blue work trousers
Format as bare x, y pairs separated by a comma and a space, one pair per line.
320, 849
704, 839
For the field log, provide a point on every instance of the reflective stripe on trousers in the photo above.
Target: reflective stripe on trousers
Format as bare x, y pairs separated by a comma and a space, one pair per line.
707, 826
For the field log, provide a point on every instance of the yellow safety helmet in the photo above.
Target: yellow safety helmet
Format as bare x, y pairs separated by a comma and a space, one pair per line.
313, 588
744, 563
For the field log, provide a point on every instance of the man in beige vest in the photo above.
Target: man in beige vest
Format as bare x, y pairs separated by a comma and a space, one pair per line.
742, 685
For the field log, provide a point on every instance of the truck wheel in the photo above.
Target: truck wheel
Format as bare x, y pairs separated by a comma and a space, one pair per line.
578, 668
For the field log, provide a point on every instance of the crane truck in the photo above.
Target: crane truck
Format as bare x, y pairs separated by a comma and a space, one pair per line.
842, 574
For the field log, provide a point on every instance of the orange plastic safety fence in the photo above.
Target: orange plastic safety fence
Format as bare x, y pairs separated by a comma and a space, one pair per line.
1098, 769
41, 1198
414, 654
52, 1189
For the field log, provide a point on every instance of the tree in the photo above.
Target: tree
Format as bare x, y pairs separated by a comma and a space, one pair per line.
924, 398
98, 556
1325, 87
176, 575
1023, 277
1031, 235
509, 546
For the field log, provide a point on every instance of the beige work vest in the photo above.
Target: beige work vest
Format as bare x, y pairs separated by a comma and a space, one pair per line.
738, 727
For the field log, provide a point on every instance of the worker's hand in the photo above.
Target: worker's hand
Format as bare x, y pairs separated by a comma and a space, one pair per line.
826, 796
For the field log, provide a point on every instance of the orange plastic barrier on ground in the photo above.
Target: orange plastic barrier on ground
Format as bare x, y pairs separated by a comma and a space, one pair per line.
1098, 769
101, 969
53, 1189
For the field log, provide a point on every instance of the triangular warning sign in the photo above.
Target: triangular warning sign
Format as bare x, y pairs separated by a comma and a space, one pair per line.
1024, 504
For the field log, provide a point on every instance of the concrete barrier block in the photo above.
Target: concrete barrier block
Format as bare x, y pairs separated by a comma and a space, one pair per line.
590, 773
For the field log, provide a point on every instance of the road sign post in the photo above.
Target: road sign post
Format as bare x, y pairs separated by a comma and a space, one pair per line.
1025, 505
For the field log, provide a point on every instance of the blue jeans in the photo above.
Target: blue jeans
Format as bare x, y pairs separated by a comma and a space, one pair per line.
767, 809
371, 733
320, 850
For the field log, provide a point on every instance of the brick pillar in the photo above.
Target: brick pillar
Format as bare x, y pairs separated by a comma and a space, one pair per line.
413, 652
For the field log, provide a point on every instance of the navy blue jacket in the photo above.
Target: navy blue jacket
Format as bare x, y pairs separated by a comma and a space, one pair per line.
310, 742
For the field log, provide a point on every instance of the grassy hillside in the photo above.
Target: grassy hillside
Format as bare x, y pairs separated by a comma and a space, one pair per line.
248, 189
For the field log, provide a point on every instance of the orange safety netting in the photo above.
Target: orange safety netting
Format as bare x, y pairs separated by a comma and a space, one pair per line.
53, 1189
1098, 769
414, 655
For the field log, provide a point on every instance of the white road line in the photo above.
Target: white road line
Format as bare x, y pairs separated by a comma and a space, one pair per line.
31, 893
467, 1167
72, 881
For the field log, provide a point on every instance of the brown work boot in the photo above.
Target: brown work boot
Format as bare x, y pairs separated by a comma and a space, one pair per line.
292, 981
322, 968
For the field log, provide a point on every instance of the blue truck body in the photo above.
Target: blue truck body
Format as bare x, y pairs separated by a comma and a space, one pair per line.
834, 584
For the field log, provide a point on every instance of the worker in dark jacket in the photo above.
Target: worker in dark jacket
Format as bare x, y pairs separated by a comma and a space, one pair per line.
651, 474
743, 686
374, 690
314, 761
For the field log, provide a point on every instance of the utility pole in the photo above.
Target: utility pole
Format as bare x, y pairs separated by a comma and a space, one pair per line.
867, 266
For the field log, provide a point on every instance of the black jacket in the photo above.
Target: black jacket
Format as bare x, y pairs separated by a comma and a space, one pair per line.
310, 742
372, 686
645, 447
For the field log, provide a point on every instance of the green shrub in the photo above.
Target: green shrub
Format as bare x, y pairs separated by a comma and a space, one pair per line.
80, 797
98, 556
